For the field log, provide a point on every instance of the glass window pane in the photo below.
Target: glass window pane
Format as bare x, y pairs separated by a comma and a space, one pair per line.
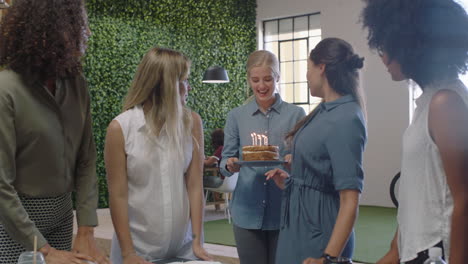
281, 90
271, 30
286, 72
306, 108
313, 42
288, 90
464, 78
300, 71
285, 29
315, 29
272, 47
301, 93
300, 49
286, 51
315, 100
300, 27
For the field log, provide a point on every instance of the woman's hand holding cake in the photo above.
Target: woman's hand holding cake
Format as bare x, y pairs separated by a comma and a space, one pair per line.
231, 166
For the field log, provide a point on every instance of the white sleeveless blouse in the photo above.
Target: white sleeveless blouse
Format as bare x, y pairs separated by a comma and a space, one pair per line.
158, 205
426, 204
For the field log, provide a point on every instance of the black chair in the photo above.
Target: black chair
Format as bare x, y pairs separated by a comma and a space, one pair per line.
394, 188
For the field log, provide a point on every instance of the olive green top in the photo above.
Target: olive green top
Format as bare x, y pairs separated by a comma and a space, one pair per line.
46, 150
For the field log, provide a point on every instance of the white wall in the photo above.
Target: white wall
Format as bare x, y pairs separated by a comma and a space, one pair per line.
387, 101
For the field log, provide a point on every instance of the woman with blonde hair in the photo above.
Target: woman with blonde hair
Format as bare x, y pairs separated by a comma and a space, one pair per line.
256, 202
154, 162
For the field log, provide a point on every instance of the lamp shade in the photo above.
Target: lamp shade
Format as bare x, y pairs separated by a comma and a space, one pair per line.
215, 74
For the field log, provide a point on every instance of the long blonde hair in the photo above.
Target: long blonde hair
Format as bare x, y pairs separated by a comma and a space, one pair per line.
157, 83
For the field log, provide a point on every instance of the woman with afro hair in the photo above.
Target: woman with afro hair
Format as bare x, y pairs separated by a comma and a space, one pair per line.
47, 149
427, 41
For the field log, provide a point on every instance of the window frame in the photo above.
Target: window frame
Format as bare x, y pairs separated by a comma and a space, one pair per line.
297, 95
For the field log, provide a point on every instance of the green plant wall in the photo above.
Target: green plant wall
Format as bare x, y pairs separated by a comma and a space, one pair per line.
209, 32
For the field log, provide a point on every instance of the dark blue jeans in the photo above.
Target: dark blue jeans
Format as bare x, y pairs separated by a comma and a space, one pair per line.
256, 246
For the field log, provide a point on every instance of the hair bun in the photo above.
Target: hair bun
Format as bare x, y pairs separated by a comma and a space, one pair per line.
355, 62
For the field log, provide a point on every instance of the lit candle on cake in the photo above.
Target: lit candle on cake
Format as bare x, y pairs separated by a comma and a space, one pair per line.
260, 150
259, 139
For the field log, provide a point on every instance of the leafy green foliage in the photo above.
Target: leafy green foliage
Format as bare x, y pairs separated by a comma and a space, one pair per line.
209, 32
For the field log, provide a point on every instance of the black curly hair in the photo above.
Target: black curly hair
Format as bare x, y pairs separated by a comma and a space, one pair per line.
428, 38
44, 39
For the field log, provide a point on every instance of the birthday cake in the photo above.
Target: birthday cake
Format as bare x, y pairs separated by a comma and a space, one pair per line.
251, 153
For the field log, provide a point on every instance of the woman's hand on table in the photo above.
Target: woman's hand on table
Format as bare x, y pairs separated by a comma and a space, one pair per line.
200, 252
54, 256
85, 243
230, 166
134, 259
278, 175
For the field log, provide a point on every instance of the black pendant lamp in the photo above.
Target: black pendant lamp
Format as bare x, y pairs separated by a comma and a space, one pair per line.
215, 74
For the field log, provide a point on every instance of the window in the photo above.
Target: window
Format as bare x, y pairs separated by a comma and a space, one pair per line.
464, 77
291, 40
415, 91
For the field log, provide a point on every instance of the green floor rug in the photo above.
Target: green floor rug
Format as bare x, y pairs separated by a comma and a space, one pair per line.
219, 232
374, 229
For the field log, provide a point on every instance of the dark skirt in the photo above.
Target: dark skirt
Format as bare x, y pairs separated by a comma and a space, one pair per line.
54, 219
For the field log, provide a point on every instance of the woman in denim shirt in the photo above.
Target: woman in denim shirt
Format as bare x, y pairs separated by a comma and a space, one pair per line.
321, 196
256, 202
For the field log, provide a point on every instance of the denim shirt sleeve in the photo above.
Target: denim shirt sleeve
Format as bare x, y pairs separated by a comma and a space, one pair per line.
231, 142
345, 146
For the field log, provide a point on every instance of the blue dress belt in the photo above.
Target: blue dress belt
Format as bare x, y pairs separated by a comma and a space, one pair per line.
302, 185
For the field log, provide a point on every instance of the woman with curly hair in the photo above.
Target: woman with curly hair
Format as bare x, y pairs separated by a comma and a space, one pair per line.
427, 41
47, 149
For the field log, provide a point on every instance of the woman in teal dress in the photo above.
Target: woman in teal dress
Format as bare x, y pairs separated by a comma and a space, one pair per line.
321, 193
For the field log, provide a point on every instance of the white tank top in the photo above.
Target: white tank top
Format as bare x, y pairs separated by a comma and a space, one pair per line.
158, 205
425, 201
